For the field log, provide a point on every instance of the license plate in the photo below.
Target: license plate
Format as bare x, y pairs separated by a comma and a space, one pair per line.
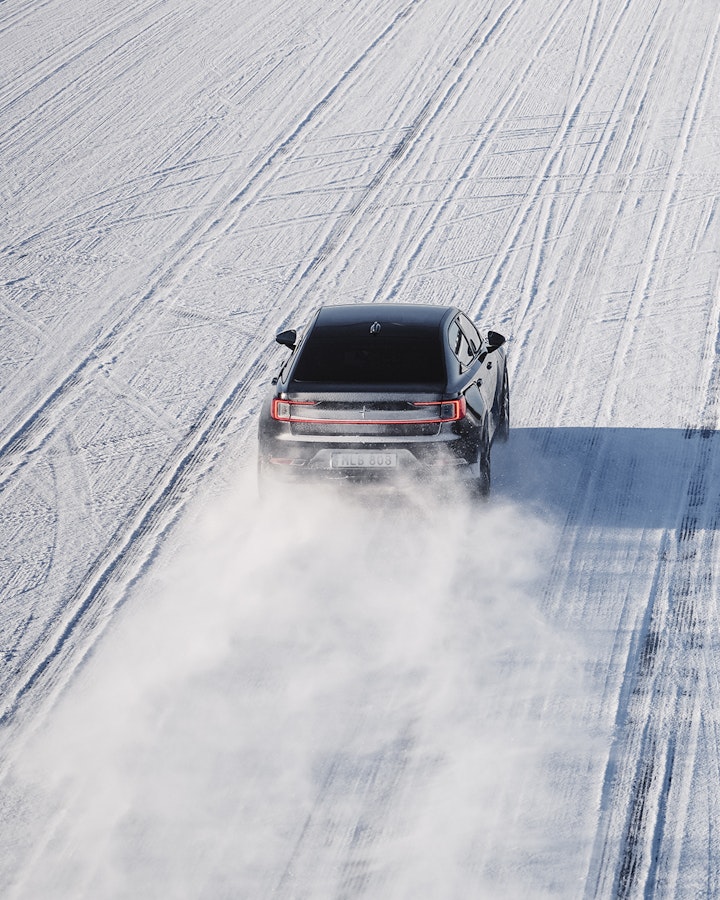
364, 460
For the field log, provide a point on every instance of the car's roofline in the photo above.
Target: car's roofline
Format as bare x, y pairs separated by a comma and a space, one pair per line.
417, 314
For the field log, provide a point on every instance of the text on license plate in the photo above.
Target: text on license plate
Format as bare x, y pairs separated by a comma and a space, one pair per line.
364, 460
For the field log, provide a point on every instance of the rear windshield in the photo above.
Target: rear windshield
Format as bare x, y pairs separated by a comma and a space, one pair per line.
348, 355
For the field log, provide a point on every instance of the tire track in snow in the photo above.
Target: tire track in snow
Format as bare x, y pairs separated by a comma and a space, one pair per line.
583, 55
656, 741
674, 664
233, 200
661, 230
138, 14
84, 90
103, 76
653, 754
12, 18
326, 263
438, 103
634, 850
497, 120
638, 87
650, 768
664, 744
88, 611
548, 165
642, 70
335, 239
367, 782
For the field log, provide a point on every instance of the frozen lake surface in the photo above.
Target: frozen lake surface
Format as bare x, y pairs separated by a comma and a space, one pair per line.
330, 696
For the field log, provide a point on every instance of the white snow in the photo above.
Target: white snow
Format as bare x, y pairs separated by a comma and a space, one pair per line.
205, 697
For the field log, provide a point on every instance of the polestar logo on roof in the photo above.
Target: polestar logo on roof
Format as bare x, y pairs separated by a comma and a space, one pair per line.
375, 327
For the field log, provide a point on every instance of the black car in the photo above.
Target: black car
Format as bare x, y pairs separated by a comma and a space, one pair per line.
386, 390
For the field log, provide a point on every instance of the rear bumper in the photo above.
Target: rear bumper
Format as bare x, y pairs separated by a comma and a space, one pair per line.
295, 461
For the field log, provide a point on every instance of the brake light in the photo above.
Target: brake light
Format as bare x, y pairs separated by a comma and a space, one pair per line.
301, 412
282, 410
449, 410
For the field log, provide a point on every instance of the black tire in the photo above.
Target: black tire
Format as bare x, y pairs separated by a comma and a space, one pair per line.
503, 427
481, 480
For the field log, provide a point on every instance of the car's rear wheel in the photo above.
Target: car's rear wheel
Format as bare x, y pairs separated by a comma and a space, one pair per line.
503, 427
481, 479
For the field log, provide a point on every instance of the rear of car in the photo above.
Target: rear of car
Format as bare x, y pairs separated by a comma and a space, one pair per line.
369, 394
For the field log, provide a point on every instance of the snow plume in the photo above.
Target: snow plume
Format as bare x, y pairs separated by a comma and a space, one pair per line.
322, 696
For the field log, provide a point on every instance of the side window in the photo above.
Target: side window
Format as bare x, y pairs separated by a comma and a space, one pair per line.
471, 333
289, 359
460, 345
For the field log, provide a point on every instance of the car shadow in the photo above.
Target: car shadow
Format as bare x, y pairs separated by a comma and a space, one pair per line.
615, 477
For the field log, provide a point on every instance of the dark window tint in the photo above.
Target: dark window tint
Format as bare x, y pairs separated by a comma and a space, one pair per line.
397, 355
471, 333
459, 344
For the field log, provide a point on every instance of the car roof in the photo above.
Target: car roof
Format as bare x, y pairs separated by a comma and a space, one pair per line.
416, 314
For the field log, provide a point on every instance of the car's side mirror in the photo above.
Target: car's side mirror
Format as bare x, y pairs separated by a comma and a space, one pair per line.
494, 340
287, 338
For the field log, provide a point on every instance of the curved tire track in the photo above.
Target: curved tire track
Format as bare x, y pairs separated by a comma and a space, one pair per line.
30, 434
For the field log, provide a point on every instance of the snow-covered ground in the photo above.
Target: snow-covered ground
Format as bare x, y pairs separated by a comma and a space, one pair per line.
201, 696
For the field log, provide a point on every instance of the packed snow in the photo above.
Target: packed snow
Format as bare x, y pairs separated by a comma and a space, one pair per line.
336, 695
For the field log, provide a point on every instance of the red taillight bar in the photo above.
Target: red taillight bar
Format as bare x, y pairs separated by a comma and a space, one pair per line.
458, 409
285, 415
450, 411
